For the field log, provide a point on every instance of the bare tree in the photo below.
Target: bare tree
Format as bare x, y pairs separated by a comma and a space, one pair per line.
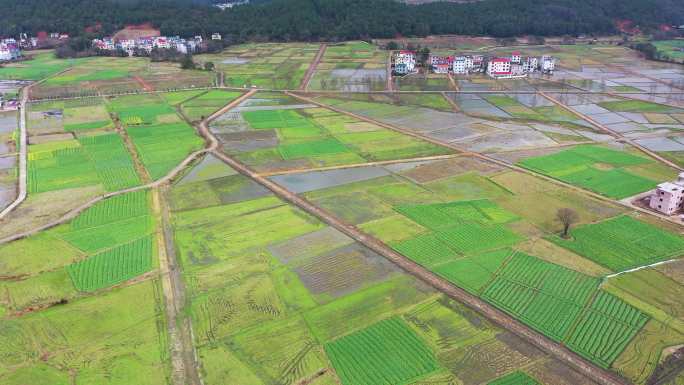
567, 217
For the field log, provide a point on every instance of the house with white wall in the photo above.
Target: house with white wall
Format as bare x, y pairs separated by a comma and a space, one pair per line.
669, 196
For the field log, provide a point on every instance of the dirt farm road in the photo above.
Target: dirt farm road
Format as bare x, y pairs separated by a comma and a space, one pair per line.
23, 154
312, 67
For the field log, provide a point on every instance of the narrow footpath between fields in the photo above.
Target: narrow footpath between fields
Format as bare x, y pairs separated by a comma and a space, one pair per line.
312, 68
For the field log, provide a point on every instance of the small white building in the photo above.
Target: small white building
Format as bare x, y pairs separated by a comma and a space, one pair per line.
404, 62
515, 57
669, 196
531, 64
548, 64
216, 36
463, 65
9, 50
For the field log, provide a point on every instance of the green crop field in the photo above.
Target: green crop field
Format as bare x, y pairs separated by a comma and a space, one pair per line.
515, 378
605, 329
162, 147
112, 162
582, 166
39, 67
112, 266
206, 104
427, 250
109, 223
318, 137
470, 238
622, 243
61, 165
91, 160
465, 227
391, 351
140, 109
114, 209
639, 106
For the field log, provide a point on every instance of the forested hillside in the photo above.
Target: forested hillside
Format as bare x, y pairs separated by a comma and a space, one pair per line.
339, 19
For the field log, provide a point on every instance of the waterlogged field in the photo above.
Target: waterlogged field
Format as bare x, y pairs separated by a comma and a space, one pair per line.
351, 66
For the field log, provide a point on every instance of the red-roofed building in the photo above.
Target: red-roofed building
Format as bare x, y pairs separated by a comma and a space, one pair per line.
515, 57
499, 67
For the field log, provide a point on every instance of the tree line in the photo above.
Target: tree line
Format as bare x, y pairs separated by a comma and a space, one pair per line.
332, 20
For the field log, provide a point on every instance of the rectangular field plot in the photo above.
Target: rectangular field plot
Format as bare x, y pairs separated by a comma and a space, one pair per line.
76, 115
58, 166
114, 209
444, 215
387, 352
282, 138
206, 104
113, 163
351, 66
264, 65
605, 329
460, 227
162, 147
91, 160
113, 266
475, 272
142, 109
515, 378
622, 243
528, 288
595, 168
427, 250
470, 238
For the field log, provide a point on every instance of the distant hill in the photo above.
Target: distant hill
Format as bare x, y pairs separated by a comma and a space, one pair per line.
282, 20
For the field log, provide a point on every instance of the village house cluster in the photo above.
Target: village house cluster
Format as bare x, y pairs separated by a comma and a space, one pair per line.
514, 66
668, 198
9, 50
147, 44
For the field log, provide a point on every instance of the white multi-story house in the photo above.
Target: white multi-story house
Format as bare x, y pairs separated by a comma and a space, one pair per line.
515, 57
548, 64
669, 196
478, 63
463, 64
404, 62
460, 66
531, 64
499, 67
9, 50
